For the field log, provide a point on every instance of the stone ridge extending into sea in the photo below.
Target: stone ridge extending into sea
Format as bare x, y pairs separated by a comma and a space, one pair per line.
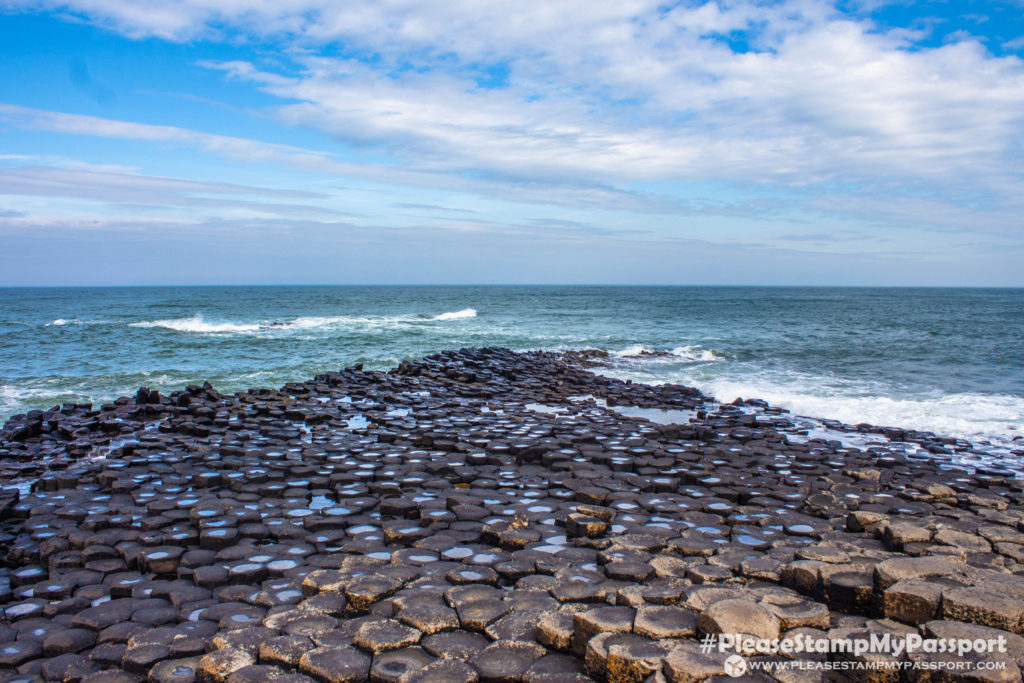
480, 515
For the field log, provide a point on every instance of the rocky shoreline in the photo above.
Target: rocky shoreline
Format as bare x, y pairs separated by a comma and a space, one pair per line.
486, 515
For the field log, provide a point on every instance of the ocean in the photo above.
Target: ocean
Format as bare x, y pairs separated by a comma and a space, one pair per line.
950, 361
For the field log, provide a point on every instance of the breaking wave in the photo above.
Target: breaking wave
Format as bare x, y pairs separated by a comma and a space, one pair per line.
693, 354
198, 325
696, 353
456, 315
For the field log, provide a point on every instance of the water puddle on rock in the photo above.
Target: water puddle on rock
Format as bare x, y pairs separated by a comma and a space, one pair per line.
546, 409
357, 422
656, 415
321, 502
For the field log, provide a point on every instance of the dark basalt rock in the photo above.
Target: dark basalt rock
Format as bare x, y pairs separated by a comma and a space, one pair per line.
506, 661
217, 666
454, 644
467, 516
394, 664
336, 664
442, 671
175, 671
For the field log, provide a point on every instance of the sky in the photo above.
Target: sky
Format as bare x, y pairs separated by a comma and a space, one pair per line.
796, 142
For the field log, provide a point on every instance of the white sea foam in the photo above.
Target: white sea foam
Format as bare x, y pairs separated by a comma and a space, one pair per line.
456, 315
696, 353
196, 324
11, 398
687, 353
327, 322
61, 322
14, 397
979, 418
634, 351
969, 416
313, 322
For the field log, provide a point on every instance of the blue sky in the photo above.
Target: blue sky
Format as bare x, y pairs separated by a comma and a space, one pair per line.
572, 141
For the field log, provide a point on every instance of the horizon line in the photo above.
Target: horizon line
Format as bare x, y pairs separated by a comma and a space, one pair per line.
506, 284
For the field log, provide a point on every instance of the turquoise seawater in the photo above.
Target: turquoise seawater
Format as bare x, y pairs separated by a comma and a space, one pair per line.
944, 360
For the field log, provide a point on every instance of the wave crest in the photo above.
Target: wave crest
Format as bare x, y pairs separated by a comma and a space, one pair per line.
456, 315
196, 324
634, 351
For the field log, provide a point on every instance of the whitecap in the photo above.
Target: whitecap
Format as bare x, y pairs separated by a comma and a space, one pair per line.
197, 325
456, 315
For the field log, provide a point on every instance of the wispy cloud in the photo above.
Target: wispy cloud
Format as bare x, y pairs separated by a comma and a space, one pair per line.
429, 207
20, 179
822, 237
240, 149
138, 194
566, 191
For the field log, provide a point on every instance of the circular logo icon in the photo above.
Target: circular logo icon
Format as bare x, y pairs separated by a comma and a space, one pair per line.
735, 666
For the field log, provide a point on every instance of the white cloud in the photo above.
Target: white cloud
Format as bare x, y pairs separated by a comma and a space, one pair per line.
833, 102
826, 98
604, 95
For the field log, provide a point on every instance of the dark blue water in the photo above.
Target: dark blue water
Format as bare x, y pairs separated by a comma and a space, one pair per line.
945, 360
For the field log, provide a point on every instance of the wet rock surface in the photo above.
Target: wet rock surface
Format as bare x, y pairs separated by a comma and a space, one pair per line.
478, 515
